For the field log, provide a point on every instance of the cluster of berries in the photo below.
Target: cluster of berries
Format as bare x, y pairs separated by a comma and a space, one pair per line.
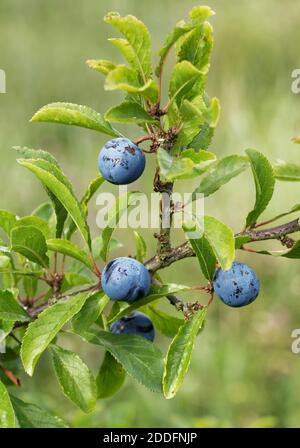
126, 279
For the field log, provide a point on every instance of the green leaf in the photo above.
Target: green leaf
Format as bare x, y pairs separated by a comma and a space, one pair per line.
205, 255
7, 415
197, 118
59, 185
32, 416
285, 171
10, 309
156, 292
294, 209
71, 250
128, 112
183, 77
114, 215
44, 211
179, 354
186, 166
37, 222
5, 262
30, 284
36, 154
221, 239
124, 46
293, 253
43, 330
126, 79
264, 184
90, 312
138, 37
30, 242
5, 328
223, 171
97, 245
60, 211
163, 322
198, 15
72, 279
180, 29
240, 240
110, 378
196, 47
192, 119
7, 221
140, 358
102, 66
212, 112
93, 187
75, 378
76, 115
141, 247
203, 139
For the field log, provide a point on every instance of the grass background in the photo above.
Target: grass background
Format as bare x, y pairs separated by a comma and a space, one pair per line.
243, 372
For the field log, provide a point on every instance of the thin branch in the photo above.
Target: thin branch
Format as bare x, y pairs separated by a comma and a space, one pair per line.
15, 338
273, 233
34, 312
55, 263
11, 376
165, 216
185, 251
175, 301
144, 138
96, 269
63, 265
178, 253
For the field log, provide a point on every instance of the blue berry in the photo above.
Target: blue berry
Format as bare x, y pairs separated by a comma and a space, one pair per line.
121, 161
239, 286
135, 323
125, 279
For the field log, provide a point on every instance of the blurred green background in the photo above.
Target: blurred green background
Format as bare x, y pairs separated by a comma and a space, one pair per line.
243, 372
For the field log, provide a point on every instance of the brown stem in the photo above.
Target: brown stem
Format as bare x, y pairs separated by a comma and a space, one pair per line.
63, 261
272, 233
11, 376
39, 297
55, 263
265, 223
166, 213
96, 269
34, 312
178, 253
248, 249
144, 138
212, 294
